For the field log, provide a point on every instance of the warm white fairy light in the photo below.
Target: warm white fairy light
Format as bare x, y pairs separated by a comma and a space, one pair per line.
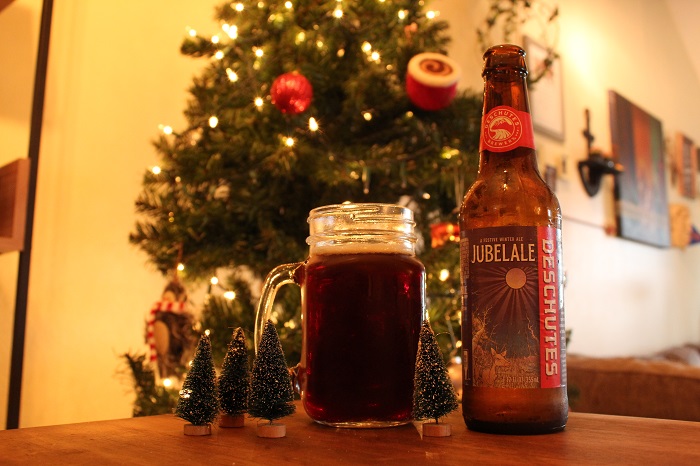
258, 102
238, 7
366, 47
207, 332
258, 52
214, 280
402, 14
444, 275
426, 196
192, 33
166, 129
288, 5
367, 116
261, 5
290, 324
156, 170
375, 57
341, 53
289, 141
213, 121
431, 14
232, 75
338, 12
180, 266
219, 55
319, 44
313, 124
215, 39
167, 382
230, 295
232, 31
300, 38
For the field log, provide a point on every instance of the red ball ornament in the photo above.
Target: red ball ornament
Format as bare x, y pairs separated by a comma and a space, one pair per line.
291, 93
431, 80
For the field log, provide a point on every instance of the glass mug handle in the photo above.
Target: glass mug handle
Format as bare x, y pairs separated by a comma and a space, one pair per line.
279, 276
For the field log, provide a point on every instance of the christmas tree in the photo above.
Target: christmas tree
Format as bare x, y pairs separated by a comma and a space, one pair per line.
304, 103
235, 377
271, 394
198, 403
434, 395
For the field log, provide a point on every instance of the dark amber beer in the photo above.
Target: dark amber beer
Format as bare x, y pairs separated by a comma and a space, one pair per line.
362, 312
514, 359
362, 305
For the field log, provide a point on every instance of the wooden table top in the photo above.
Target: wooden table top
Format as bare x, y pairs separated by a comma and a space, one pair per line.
587, 439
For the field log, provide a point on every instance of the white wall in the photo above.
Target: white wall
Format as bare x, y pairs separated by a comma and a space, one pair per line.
115, 74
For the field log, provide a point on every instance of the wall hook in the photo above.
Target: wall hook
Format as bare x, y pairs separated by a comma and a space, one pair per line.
596, 165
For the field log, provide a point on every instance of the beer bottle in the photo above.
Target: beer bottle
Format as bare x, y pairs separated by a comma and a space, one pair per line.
510, 243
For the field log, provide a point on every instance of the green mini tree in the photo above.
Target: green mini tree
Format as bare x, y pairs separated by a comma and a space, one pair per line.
234, 381
271, 393
434, 395
198, 403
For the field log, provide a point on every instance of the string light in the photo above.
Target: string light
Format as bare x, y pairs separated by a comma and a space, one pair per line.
167, 382
288, 5
219, 55
214, 281
338, 12
258, 52
232, 31
215, 39
301, 37
207, 332
213, 121
375, 56
238, 7
431, 14
192, 32
313, 124
230, 295
180, 266
367, 116
289, 141
232, 75
402, 14
166, 129
366, 47
444, 275
156, 170
258, 102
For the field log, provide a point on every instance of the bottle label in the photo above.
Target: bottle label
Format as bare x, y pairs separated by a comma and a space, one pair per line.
504, 128
512, 307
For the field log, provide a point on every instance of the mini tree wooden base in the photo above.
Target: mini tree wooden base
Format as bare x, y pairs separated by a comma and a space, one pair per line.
228, 420
267, 430
431, 429
191, 429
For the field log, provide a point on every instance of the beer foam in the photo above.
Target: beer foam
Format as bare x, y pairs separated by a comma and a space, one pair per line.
364, 248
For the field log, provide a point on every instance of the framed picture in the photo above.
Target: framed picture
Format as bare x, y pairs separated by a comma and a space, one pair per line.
640, 191
546, 95
686, 165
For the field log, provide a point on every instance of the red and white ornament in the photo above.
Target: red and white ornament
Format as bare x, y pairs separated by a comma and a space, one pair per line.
431, 80
291, 93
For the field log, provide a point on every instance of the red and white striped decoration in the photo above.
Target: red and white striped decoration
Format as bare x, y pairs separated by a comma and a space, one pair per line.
160, 306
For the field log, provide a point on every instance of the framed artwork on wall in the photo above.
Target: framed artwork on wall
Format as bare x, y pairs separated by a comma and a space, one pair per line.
686, 165
546, 95
640, 191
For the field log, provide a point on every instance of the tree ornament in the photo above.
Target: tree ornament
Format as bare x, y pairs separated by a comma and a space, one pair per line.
271, 394
234, 382
199, 403
434, 395
291, 93
431, 80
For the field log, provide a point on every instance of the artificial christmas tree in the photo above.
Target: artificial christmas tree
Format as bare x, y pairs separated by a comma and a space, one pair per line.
271, 394
234, 382
198, 403
434, 395
234, 187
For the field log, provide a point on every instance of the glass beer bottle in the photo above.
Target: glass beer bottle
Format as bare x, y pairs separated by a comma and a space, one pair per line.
514, 379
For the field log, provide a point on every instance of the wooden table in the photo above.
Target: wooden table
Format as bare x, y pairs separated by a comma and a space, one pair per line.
587, 439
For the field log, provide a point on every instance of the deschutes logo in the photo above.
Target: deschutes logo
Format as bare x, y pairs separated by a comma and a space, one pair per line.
503, 128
